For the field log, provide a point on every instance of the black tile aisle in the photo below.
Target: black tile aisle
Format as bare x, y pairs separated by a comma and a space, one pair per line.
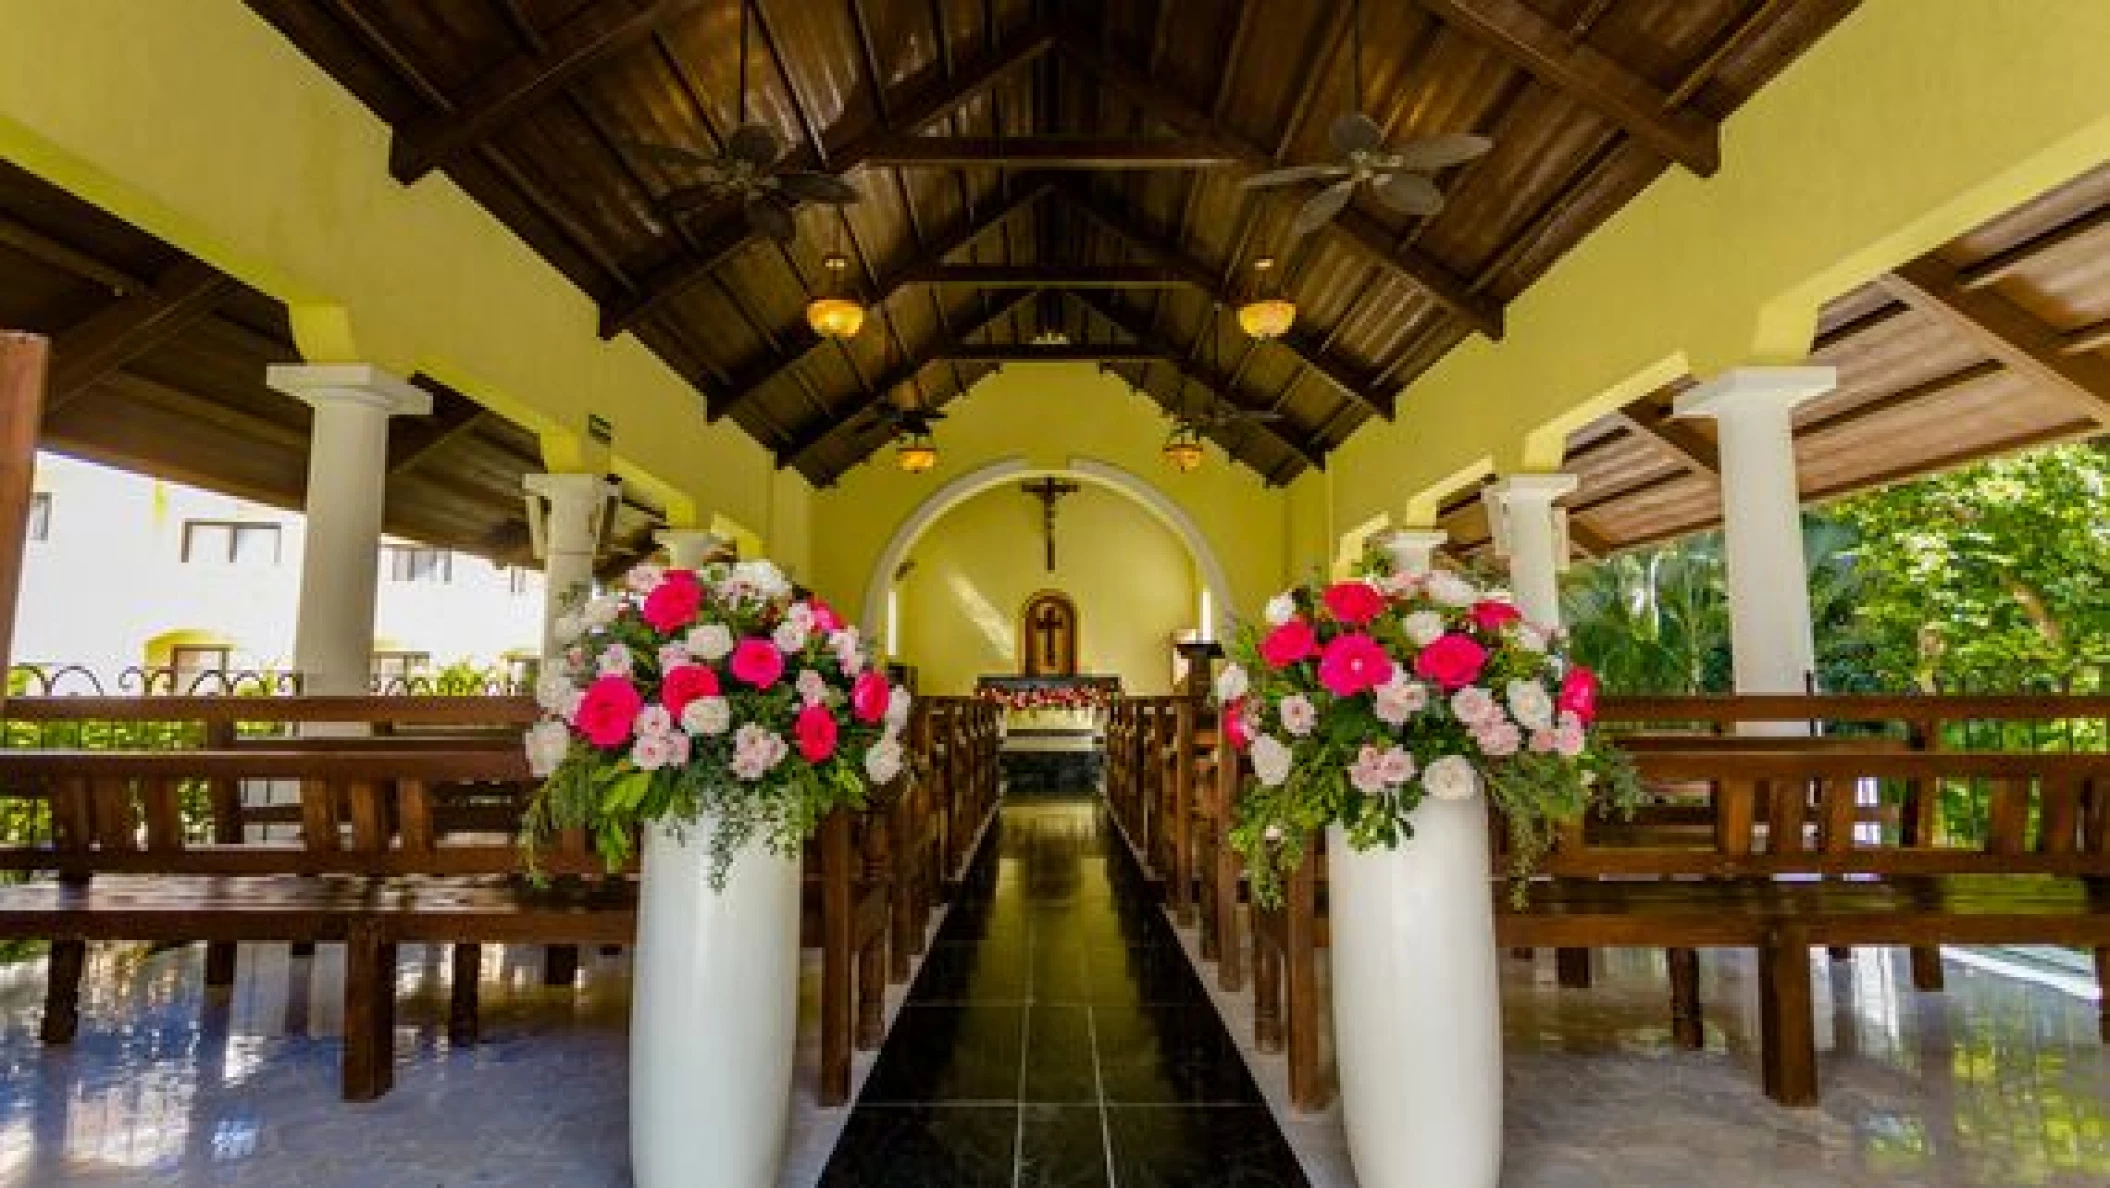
1057, 1037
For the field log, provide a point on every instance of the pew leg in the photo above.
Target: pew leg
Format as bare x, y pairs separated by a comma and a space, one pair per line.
1787, 1018
1572, 968
219, 964
560, 965
369, 1013
1230, 947
1267, 995
62, 991
462, 993
871, 993
2102, 982
1686, 1028
1926, 969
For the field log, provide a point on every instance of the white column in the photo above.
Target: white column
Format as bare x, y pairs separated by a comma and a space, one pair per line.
689, 548
1770, 638
333, 639
1532, 532
1413, 550
565, 512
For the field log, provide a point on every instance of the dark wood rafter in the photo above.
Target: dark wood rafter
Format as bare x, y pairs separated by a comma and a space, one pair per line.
2006, 331
413, 441
1654, 422
1536, 45
807, 344
1049, 276
1047, 152
38, 246
1074, 352
731, 235
183, 296
1204, 374
1171, 258
1478, 310
582, 44
800, 451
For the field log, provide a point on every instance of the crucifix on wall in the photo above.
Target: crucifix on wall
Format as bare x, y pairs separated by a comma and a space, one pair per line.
1048, 490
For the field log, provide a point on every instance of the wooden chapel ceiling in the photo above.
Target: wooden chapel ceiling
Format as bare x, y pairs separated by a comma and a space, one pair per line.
158, 366
1050, 180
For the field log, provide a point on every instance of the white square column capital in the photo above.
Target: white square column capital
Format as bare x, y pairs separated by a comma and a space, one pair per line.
354, 385
1754, 388
1527, 489
690, 548
1412, 550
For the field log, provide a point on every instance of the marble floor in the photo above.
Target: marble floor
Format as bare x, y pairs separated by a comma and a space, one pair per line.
1998, 1081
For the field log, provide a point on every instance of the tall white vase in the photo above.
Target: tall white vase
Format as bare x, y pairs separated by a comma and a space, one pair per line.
713, 1014
1417, 1004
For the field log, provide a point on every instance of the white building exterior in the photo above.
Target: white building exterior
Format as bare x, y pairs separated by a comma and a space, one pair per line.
125, 572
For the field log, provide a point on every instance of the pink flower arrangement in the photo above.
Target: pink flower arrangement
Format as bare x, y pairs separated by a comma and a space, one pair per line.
670, 707
1047, 697
1423, 687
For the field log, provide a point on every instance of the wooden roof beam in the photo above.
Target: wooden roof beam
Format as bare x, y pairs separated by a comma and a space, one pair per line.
1048, 152
1653, 421
2007, 332
1548, 53
38, 246
1072, 352
731, 234
107, 340
802, 447
415, 440
1048, 276
1478, 310
1201, 373
577, 47
1195, 273
807, 344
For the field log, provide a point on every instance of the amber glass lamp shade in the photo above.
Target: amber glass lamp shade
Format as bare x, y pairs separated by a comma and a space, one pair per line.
1269, 317
1183, 450
916, 453
832, 315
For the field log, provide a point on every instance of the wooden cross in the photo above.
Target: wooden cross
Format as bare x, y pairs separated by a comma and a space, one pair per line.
1046, 625
1048, 490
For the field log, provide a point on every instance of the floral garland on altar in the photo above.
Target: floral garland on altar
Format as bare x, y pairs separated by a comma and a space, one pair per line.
1047, 697
1362, 697
712, 692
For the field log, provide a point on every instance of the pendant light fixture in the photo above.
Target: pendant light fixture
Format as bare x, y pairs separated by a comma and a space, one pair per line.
1264, 315
1182, 450
915, 451
835, 314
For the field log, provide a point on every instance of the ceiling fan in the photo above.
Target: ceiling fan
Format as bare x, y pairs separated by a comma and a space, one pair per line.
747, 169
1399, 177
900, 420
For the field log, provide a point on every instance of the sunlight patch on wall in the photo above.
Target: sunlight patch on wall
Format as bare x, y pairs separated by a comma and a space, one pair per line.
994, 624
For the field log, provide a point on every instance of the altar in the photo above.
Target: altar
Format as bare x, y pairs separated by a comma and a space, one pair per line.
1054, 728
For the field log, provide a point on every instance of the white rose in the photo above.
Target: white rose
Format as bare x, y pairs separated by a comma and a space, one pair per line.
654, 719
711, 642
789, 636
552, 690
673, 656
1232, 683
547, 743
1279, 610
800, 613
707, 715
651, 752
812, 687
644, 579
756, 751
1473, 706
1530, 637
600, 612
1396, 765
1451, 778
1450, 589
1270, 759
897, 707
616, 660
1529, 705
883, 761
1498, 739
1423, 627
760, 576
1367, 773
1399, 699
848, 656
1298, 714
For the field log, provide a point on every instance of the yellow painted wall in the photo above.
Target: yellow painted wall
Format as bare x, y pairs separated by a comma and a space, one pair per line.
1911, 122
198, 122
1130, 577
1049, 414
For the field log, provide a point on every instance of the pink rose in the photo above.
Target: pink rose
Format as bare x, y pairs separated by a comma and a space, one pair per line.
1355, 603
1578, 694
1353, 664
607, 709
758, 662
673, 603
1237, 731
685, 683
869, 696
1289, 643
1452, 661
1491, 616
824, 616
816, 731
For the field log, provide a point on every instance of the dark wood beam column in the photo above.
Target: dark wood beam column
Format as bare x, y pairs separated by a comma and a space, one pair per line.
2006, 331
181, 297
1202, 277
1201, 373
1478, 310
1546, 51
24, 363
586, 41
730, 234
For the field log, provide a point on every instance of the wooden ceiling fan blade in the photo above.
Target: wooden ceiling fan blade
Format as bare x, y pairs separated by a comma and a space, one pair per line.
671, 155
809, 186
1442, 152
1410, 193
1291, 176
753, 143
1355, 132
1320, 208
